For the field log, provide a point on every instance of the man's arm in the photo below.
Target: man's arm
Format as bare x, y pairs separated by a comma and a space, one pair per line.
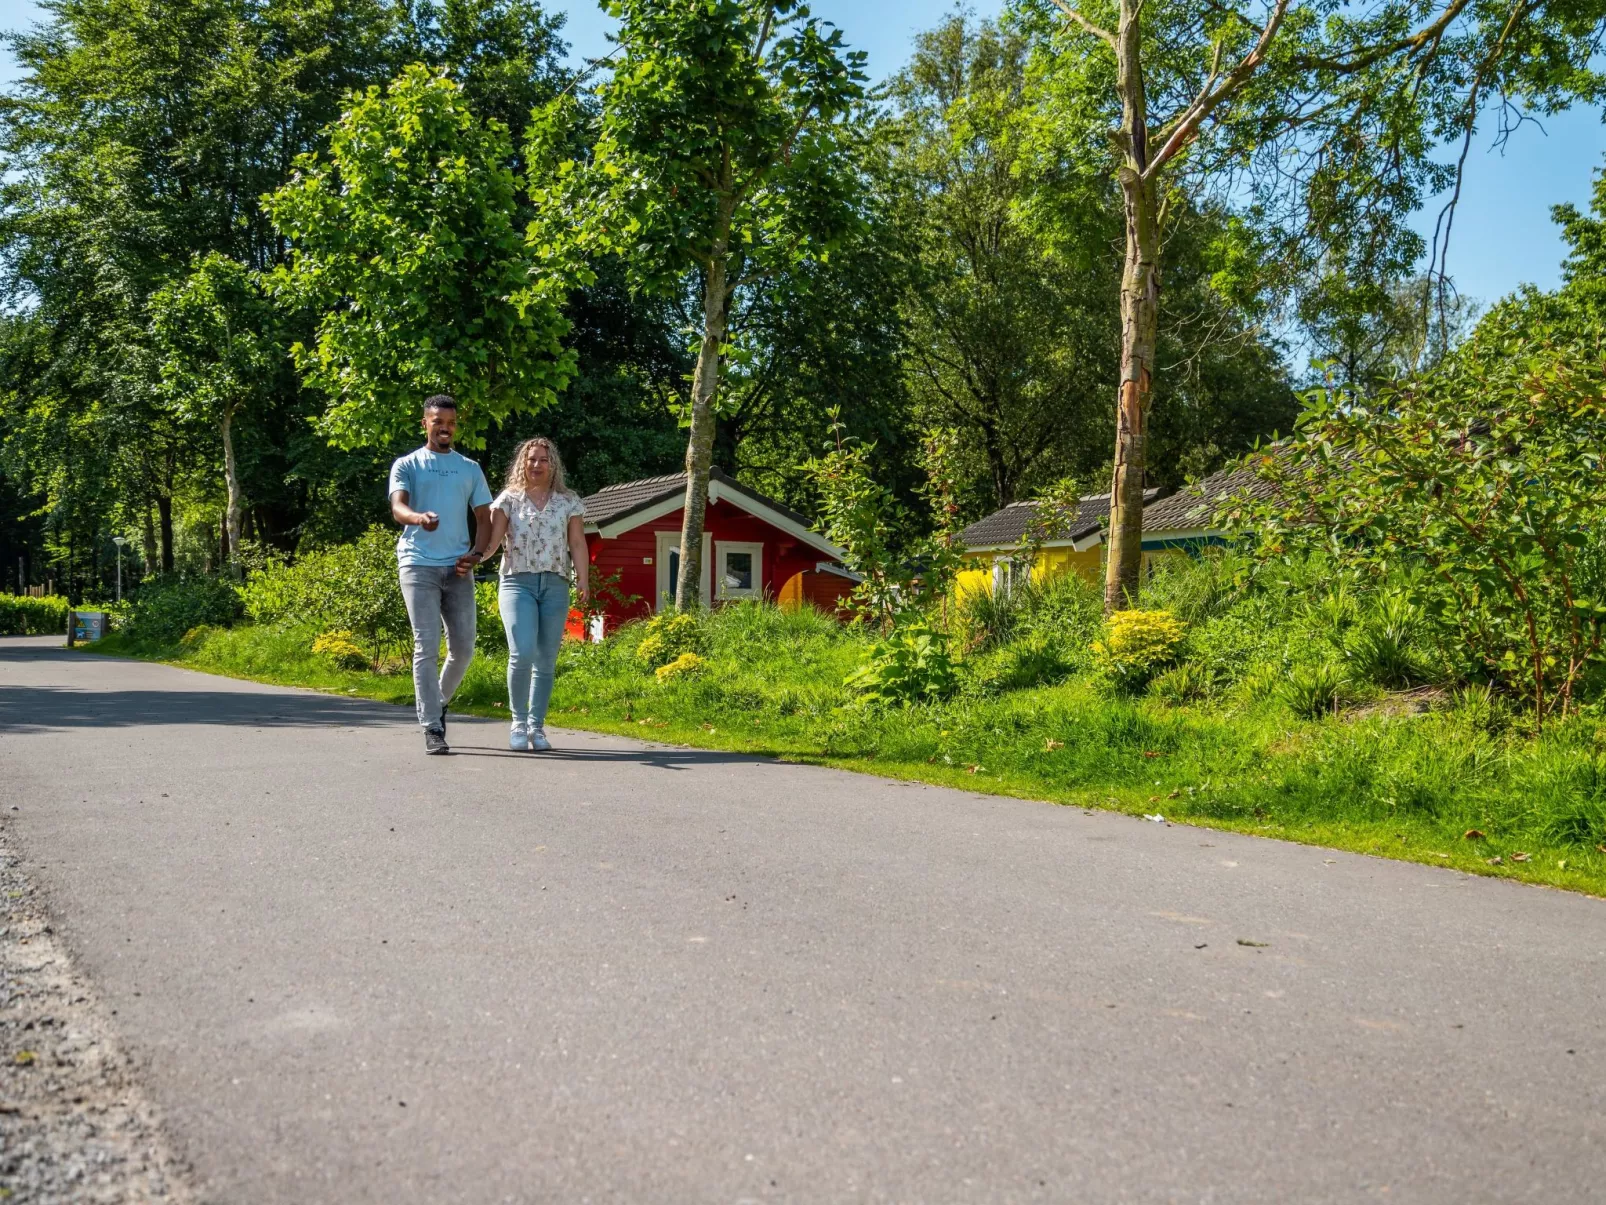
408, 517
477, 555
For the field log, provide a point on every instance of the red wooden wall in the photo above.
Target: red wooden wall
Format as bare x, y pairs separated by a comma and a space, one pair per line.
784, 555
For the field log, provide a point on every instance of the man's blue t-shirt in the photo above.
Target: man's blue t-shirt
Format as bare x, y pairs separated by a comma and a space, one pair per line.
449, 484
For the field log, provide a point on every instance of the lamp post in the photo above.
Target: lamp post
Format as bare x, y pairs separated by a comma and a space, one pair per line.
119, 541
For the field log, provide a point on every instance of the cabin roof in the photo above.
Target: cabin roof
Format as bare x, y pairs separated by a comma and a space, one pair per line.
1007, 527
615, 509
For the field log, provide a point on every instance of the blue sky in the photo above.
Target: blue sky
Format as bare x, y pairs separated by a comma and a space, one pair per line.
1503, 237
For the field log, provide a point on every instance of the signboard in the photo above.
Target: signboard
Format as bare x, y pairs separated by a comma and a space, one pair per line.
84, 626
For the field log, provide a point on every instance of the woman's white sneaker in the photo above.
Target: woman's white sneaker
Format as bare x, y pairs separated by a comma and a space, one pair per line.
518, 739
538, 741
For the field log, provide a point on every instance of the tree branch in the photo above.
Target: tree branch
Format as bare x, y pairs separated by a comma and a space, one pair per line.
1366, 58
1087, 26
1209, 99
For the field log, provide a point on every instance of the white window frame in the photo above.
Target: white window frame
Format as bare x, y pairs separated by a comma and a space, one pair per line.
667, 542
722, 549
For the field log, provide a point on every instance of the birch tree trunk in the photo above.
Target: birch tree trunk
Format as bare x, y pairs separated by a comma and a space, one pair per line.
700, 442
232, 517
1140, 306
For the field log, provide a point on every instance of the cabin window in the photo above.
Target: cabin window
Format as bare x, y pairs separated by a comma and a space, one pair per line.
668, 569
738, 570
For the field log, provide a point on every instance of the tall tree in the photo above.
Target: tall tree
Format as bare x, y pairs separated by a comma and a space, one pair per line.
1327, 119
216, 333
1013, 323
721, 152
404, 239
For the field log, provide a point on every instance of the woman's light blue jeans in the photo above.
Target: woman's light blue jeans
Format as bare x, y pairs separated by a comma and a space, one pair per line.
535, 608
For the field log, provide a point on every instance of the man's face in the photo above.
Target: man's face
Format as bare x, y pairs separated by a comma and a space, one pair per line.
440, 427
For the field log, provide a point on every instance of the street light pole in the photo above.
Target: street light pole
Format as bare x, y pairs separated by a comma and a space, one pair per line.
119, 541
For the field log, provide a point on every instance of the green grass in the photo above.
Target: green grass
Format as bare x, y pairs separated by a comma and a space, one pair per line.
1375, 780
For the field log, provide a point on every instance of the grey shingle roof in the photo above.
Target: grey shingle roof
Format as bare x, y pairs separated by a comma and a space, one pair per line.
1008, 526
1194, 507
615, 502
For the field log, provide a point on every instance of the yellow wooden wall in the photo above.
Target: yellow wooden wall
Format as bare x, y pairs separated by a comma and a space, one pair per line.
978, 573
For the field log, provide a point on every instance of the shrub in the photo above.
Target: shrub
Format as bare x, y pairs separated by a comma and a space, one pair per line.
168, 607
911, 665
341, 650
1137, 643
349, 587
687, 665
669, 635
1484, 475
1382, 647
1312, 691
1037, 660
21, 615
489, 634
1183, 683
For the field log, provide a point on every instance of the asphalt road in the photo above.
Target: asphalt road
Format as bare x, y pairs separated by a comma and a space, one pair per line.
625, 972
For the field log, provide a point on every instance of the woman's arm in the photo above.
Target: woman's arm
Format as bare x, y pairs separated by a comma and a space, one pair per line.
580, 554
498, 532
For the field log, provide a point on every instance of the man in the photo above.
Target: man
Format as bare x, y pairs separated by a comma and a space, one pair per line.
431, 492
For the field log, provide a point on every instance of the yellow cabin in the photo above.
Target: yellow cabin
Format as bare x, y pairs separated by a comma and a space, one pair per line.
1175, 525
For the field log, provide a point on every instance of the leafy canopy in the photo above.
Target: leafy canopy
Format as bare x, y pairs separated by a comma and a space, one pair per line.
404, 236
721, 115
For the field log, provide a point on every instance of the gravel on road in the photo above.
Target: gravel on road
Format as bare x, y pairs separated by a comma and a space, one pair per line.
75, 1128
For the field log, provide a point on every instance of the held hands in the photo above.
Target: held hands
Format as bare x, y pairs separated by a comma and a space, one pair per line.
467, 562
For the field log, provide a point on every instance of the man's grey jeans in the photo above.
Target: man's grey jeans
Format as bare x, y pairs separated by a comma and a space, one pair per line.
435, 593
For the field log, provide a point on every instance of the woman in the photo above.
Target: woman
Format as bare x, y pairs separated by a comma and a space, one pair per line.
540, 527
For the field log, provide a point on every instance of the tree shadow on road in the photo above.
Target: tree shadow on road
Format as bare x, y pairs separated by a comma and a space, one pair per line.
25, 709
662, 759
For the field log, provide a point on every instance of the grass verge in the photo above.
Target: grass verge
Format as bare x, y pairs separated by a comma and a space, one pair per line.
1394, 782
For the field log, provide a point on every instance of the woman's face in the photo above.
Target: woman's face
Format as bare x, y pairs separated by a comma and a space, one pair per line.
538, 467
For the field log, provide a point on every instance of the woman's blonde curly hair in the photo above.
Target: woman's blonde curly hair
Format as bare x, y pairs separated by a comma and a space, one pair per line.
515, 469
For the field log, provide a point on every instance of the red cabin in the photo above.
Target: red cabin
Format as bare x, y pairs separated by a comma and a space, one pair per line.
753, 547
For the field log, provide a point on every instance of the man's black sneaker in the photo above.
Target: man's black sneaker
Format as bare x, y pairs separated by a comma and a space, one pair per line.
435, 741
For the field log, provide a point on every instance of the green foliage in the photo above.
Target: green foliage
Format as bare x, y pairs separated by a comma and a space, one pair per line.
1136, 644
1035, 660
1185, 683
909, 666
1383, 648
405, 242
167, 607
1011, 301
351, 587
216, 333
21, 615
489, 634
687, 665
1314, 691
722, 134
858, 514
669, 636
1477, 487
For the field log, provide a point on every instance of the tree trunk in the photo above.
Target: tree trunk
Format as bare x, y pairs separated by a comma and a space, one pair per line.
700, 442
1140, 309
232, 517
164, 512
148, 542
